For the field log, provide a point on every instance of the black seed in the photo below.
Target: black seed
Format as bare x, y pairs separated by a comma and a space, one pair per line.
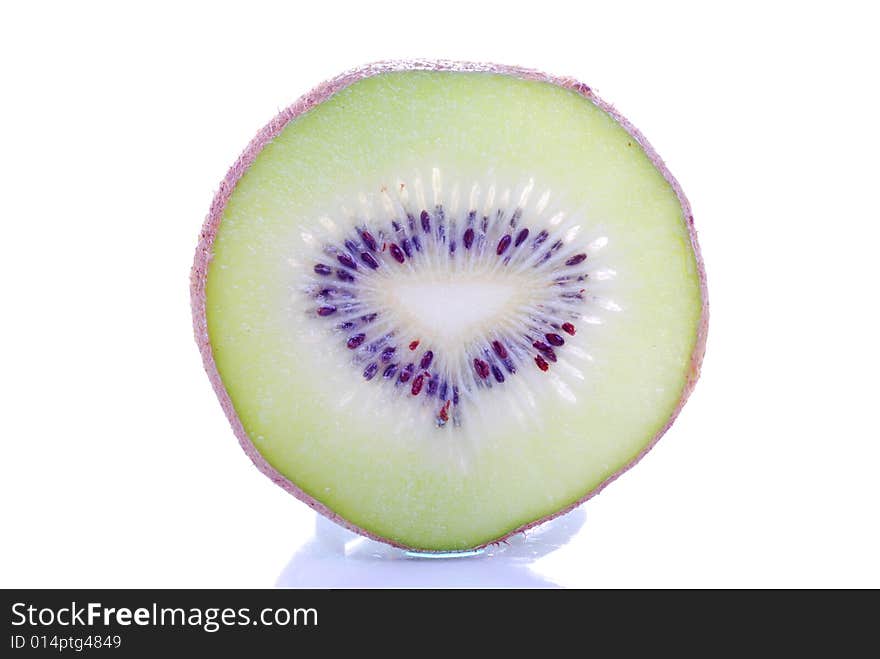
370, 371
521, 237
503, 244
355, 341
515, 218
395, 224
326, 311
498, 375
369, 241
540, 238
389, 372
323, 270
367, 258
347, 325
397, 253
347, 261
388, 353
426, 222
484, 225
472, 215
344, 276
468, 238
426, 360
574, 260
499, 349
369, 318
554, 339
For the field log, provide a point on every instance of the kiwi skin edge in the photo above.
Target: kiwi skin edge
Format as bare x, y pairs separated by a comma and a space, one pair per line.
199, 273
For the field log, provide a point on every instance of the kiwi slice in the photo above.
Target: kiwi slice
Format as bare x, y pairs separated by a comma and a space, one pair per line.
443, 302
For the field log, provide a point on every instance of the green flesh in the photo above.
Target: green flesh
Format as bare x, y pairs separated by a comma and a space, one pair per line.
333, 435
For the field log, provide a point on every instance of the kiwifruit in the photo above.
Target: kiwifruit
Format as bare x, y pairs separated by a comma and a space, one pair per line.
443, 302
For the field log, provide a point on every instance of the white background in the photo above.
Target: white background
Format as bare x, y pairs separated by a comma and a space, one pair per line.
118, 467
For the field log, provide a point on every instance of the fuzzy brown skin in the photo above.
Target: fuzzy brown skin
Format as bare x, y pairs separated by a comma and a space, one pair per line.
320, 94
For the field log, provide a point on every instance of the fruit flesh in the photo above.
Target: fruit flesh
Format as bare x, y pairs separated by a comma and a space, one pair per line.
343, 443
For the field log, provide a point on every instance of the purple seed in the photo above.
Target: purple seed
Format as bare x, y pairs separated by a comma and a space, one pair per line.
351, 246
323, 270
547, 350
395, 224
355, 341
369, 318
397, 253
503, 244
412, 221
370, 371
452, 247
497, 374
574, 260
481, 367
499, 349
540, 238
407, 249
406, 373
426, 360
369, 241
388, 353
521, 237
347, 261
326, 311
443, 389
417, 384
508, 364
347, 325
433, 383
426, 222
468, 238
554, 339
455, 394
417, 243
367, 258
344, 276
389, 372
